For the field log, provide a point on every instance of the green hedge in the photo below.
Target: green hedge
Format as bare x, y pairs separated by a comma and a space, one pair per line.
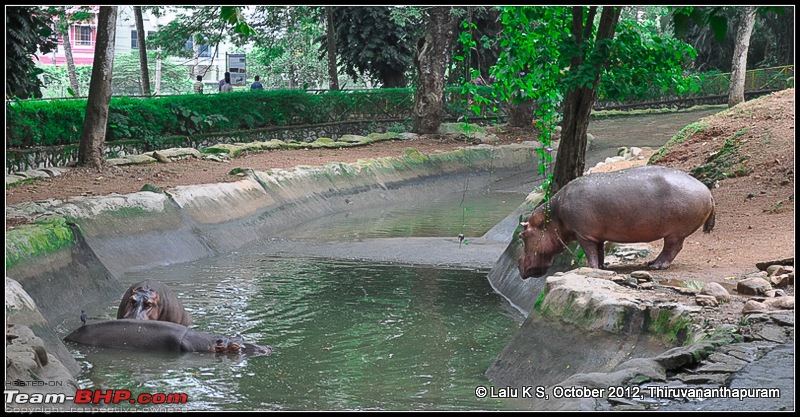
59, 122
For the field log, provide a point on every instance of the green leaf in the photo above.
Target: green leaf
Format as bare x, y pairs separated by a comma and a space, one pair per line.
719, 24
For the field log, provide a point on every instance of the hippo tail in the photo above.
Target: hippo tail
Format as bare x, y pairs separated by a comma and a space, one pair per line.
708, 226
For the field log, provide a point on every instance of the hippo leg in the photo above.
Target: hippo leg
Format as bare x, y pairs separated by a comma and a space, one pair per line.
672, 246
601, 255
593, 251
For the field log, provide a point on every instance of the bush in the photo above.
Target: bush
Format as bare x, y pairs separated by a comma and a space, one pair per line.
60, 122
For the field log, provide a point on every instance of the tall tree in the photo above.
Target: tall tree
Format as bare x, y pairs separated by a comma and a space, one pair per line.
333, 71
580, 98
433, 58
708, 30
91, 152
371, 45
484, 26
739, 65
28, 28
140, 34
65, 17
562, 69
71, 73
287, 44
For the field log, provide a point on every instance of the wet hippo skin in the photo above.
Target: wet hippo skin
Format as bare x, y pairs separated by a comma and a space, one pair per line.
154, 335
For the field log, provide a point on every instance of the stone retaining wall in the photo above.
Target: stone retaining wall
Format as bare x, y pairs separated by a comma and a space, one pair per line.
18, 160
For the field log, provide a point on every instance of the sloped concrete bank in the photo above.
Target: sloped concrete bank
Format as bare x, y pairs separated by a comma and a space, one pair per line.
74, 253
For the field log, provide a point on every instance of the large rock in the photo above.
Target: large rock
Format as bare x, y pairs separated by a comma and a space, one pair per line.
715, 290
31, 370
584, 325
753, 286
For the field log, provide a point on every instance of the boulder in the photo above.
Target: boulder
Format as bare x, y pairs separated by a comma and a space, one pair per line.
715, 290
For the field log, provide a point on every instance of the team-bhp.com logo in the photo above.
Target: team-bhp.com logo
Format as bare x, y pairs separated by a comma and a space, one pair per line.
97, 396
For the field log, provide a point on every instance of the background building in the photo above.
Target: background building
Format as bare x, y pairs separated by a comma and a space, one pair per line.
82, 36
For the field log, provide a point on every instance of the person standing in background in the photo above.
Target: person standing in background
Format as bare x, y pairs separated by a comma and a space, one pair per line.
257, 84
198, 85
222, 81
227, 87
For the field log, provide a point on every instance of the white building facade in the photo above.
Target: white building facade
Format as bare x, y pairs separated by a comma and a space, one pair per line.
82, 36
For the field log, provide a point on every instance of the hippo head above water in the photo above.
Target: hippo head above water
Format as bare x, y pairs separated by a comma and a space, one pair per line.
541, 245
641, 204
152, 300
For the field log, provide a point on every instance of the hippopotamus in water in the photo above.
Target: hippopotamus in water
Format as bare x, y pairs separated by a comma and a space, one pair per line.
159, 335
152, 300
640, 204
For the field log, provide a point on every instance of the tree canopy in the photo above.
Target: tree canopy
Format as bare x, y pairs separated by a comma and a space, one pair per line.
28, 28
557, 56
371, 44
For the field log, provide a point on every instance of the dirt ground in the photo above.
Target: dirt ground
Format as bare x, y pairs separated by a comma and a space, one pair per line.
755, 212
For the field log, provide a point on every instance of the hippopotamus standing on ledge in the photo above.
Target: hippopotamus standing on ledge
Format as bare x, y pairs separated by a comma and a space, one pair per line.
640, 204
159, 335
152, 300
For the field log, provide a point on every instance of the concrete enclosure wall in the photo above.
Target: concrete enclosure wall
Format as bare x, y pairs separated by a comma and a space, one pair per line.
75, 250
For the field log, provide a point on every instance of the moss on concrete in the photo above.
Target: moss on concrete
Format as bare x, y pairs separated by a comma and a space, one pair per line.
226, 148
152, 188
33, 240
413, 155
374, 137
540, 301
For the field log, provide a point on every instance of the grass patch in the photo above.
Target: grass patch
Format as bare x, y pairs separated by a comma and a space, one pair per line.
728, 162
679, 138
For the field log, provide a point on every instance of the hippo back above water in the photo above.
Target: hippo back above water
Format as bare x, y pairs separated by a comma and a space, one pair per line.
639, 204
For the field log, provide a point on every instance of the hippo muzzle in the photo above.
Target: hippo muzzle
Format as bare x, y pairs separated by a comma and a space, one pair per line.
527, 270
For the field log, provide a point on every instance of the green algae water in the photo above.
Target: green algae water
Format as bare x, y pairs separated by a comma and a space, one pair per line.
447, 215
346, 336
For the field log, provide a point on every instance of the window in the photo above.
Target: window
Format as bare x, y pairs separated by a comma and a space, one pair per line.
203, 51
135, 40
149, 46
84, 35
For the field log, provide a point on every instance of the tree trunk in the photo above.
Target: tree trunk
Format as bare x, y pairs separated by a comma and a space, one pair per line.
739, 64
433, 58
137, 12
73, 76
91, 152
571, 156
158, 73
333, 71
520, 113
392, 79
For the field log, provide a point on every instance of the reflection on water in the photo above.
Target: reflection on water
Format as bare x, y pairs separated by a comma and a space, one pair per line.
346, 336
446, 215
